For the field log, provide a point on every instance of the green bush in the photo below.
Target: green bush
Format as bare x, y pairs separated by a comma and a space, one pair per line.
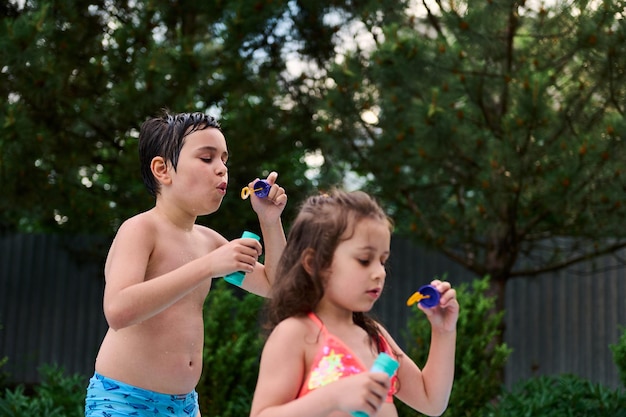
558, 396
479, 363
619, 355
232, 350
58, 395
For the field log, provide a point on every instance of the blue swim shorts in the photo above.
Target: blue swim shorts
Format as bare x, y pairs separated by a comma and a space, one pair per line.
107, 397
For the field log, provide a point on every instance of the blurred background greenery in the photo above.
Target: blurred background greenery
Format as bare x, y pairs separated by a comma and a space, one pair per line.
492, 131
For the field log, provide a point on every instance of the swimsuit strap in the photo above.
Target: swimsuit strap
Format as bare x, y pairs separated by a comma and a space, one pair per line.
386, 347
318, 322
381, 339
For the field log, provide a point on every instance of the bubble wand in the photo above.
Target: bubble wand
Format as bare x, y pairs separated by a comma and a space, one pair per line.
261, 188
427, 296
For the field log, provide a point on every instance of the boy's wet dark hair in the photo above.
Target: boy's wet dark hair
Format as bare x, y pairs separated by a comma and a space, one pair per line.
164, 136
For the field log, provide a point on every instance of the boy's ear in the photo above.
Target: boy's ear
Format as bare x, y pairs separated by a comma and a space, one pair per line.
307, 260
160, 170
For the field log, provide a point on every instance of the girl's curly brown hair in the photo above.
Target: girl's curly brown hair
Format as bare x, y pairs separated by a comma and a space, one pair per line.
323, 222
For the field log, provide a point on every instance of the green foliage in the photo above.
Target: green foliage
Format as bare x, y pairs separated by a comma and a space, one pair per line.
233, 345
478, 362
619, 355
559, 396
79, 77
58, 395
504, 121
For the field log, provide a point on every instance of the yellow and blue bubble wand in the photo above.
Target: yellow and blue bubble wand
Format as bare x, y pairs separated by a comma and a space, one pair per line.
427, 296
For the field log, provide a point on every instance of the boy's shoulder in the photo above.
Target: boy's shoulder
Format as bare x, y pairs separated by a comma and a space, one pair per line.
209, 233
142, 220
149, 228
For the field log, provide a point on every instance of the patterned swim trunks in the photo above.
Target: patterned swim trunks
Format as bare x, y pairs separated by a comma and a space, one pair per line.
107, 397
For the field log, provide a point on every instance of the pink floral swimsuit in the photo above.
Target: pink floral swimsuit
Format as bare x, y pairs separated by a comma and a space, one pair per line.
335, 361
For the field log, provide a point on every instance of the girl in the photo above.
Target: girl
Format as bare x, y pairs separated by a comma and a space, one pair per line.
316, 359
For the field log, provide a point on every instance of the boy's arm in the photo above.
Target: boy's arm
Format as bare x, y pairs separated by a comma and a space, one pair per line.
269, 211
129, 297
274, 242
133, 293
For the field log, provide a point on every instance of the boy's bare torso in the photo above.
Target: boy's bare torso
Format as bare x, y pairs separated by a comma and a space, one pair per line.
164, 352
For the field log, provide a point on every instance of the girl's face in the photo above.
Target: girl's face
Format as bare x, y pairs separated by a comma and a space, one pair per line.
357, 273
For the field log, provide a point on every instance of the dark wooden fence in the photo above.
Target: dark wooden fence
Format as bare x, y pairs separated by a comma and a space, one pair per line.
50, 303
51, 308
555, 323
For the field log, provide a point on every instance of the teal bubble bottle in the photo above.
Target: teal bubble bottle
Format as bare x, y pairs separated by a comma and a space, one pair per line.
236, 278
383, 363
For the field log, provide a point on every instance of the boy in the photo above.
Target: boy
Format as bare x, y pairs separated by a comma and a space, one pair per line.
160, 266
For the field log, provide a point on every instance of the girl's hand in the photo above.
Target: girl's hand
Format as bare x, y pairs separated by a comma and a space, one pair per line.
365, 392
444, 316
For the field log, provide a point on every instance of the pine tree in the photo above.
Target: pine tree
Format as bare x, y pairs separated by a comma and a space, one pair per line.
499, 131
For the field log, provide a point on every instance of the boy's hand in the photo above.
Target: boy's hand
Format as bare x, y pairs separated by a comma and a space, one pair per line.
444, 316
271, 207
237, 255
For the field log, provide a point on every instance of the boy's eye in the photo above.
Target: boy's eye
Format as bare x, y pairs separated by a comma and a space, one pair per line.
207, 160
364, 262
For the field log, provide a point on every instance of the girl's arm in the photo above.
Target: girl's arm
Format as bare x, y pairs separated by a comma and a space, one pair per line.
428, 390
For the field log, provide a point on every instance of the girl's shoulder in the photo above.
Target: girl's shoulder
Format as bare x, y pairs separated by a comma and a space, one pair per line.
294, 326
295, 337
293, 323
